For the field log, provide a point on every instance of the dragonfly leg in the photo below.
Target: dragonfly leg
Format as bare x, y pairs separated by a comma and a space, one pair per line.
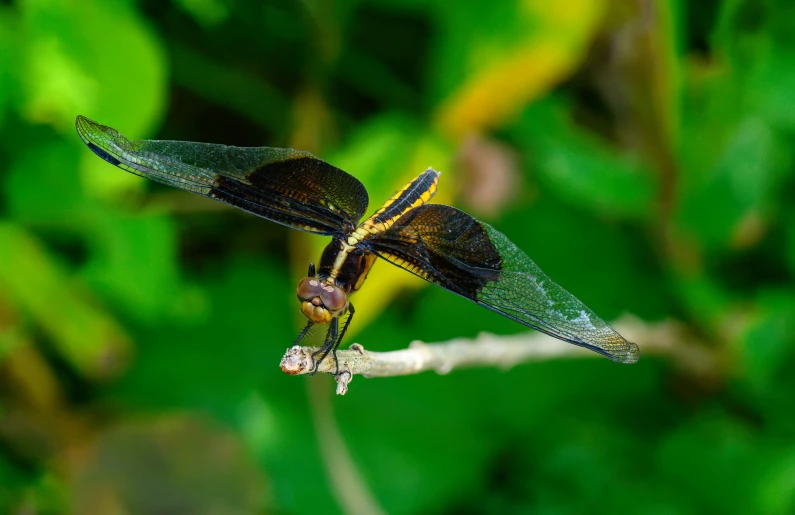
311, 270
342, 333
303, 332
344, 328
333, 341
328, 345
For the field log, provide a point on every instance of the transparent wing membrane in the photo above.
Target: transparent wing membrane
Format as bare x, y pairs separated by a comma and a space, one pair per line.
290, 187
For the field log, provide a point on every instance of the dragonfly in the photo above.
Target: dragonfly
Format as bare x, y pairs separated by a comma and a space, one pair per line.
439, 243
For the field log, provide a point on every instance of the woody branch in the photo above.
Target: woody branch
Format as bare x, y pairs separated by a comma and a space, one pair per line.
665, 338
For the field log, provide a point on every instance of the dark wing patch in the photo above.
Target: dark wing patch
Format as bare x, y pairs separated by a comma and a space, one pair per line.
452, 249
104, 155
287, 186
442, 245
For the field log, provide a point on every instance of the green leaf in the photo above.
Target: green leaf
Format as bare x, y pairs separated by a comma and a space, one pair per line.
134, 261
82, 58
777, 484
82, 331
722, 464
42, 186
580, 168
770, 337
9, 61
744, 179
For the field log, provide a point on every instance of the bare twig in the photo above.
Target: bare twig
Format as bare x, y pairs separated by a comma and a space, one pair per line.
665, 338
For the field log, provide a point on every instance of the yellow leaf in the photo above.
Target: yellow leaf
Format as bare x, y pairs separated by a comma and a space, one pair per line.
555, 43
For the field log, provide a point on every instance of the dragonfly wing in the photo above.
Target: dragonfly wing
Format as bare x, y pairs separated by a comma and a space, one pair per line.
287, 186
452, 249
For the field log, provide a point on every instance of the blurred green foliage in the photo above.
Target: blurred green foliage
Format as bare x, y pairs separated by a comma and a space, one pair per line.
641, 152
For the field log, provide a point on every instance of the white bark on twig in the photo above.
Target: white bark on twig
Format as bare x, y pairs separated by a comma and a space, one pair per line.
666, 338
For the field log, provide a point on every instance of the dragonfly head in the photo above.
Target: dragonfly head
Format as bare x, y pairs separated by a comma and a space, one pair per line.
320, 301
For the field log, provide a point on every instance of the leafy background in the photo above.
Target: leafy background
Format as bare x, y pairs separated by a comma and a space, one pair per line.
641, 152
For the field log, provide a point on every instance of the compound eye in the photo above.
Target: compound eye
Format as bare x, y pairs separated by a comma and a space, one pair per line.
333, 297
309, 287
